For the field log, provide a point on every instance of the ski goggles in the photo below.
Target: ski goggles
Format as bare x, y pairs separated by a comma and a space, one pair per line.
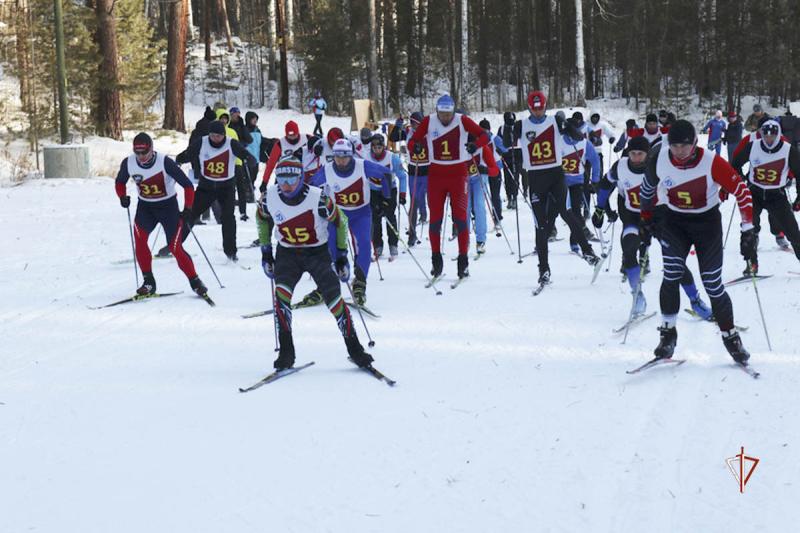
287, 179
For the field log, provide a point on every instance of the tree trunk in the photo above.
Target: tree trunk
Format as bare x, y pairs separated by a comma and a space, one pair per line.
222, 10
176, 66
463, 67
391, 30
372, 64
190, 21
421, 50
284, 67
411, 50
207, 28
23, 30
580, 60
289, 23
108, 115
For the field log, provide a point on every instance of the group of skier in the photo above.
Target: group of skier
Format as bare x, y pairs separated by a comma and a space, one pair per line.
332, 195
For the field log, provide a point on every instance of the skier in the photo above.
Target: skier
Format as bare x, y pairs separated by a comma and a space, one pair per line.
771, 159
733, 133
301, 214
324, 149
595, 130
651, 130
716, 128
509, 147
688, 179
255, 147
295, 145
418, 177
215, 154
483, 165
448, 151
347, 180
627, 175
542, 148
378, 154
242, 183
318, 105
576, 154
155, 176
630, 125
495, 181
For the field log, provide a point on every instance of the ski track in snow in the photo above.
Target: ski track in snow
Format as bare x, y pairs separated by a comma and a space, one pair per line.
511, 412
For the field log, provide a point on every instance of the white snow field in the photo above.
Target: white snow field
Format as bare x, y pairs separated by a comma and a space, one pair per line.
511, 412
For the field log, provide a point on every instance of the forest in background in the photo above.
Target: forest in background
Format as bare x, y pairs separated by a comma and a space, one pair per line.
126, 56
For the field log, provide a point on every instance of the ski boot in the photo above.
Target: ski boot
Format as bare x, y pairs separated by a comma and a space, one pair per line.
285, 353
311, 299
553, 235
512, 203
164, 252
575, 249
393, 252
438, 264
356, 352
702, 310
148, 287
197, 286
639, 305
463, 266
544, 276
480, 248
243, 217
360, 288
780, 238
751, 269
666, 346
733, 343
233, 257
590, 257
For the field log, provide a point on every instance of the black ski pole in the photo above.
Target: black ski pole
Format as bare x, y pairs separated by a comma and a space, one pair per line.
221, 286
360, 314
758, 300
133, 248
516, 211
730, 223
274, 314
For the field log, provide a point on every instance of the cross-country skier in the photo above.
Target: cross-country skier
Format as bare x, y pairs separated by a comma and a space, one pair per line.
651, 130
215, 155
379, 155
483, 165
627, 175
448, 151
348, 181
417, 177
300, 215
578, 153
295, 145
508, 145
771, 159
155, 176
688, 179
716, 131
318, 105
595, 130
324, 149
541, 137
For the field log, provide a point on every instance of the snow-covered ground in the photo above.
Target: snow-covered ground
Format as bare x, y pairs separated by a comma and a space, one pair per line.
511, 413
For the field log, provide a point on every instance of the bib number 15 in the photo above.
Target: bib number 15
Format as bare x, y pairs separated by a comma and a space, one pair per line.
295, 235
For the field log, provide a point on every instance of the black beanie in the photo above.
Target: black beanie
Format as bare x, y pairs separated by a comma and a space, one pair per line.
651, 117
217, 127
142, 142
639, 143
485, 124
681, 132
209, 114
577, 115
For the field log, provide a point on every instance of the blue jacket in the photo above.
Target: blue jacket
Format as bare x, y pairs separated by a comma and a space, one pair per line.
715, 127
255, 147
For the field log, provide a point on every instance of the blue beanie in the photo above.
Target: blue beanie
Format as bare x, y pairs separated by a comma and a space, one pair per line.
445, 103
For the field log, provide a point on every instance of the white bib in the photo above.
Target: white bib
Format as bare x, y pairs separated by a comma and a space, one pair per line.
541, 144
153, 184
629, 184
446, 144
217, 164
687, 190
351, 192
768, 171
298, 226
573, 158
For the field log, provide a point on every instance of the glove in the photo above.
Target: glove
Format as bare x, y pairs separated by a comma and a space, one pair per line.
268, 261
617, 149
749, 243
612, 215
402, 198
471, 148
611, 140
385, 206
125, 201
597, 217
187, 215
318, 149
343, 266
417, 148
796, 204
723, 195
591, 188
263, 187
647, 227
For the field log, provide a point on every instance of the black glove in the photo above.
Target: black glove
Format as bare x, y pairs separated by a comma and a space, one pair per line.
268, 261
187, 215
796, 203
125, 201
318, 148
611, 140
597, 217
418, 148
647, 228
402, 198
612, 215
471, 148
617, 149
343, 266
749, 243
263, 187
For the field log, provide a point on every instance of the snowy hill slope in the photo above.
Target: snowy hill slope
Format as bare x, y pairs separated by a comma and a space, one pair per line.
511, 413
